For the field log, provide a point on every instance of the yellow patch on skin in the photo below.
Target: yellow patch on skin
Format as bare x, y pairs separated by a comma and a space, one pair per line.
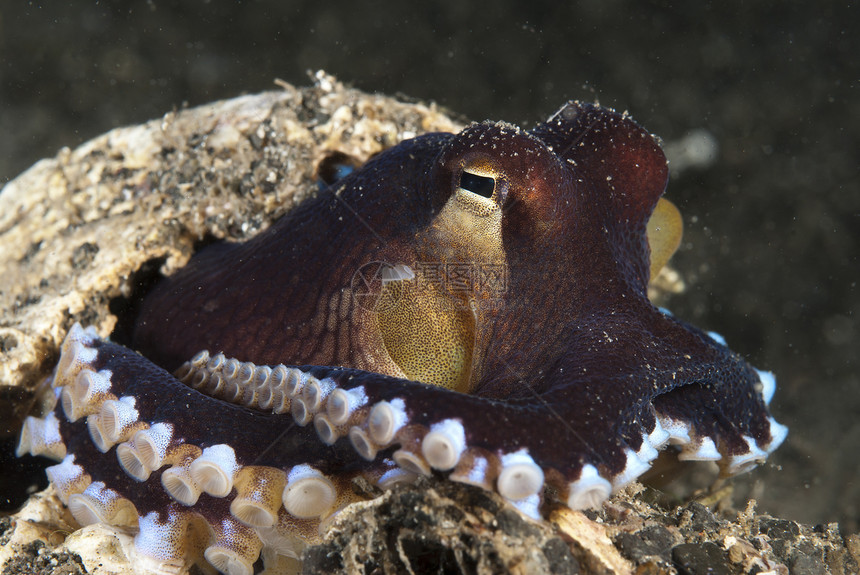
428, 334
664, 230
429, 328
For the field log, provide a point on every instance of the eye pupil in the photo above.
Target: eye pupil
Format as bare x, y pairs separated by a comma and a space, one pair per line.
480, 185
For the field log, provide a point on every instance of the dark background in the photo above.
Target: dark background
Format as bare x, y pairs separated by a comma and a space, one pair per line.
772, 227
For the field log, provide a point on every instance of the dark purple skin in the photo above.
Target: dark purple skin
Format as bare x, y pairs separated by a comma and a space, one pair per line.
573, 360
582, 187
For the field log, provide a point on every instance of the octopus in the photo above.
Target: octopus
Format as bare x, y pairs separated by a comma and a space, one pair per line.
470, 306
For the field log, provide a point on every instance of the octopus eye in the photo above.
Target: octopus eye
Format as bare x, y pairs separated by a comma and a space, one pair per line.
478, 185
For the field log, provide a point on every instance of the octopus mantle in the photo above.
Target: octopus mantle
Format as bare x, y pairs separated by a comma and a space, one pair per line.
469, 305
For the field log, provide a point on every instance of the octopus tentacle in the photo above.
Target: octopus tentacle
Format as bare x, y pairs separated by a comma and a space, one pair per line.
426, 444
406, 415
170, 468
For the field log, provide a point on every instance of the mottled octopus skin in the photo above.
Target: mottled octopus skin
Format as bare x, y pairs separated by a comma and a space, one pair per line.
562, 372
